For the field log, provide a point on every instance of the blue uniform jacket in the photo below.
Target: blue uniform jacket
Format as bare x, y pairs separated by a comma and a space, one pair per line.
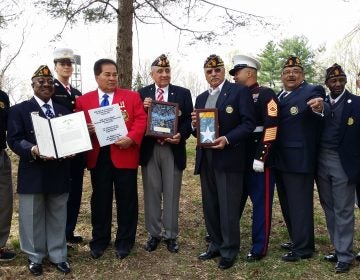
299, 131
349, 148
236, 115
35, 175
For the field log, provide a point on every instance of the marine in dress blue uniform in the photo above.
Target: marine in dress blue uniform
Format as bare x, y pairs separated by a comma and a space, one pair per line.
66, 95
339, 166
259, 180
222, 166
296, 156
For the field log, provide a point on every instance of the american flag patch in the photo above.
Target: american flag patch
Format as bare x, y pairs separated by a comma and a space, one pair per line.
270, 134
272, 108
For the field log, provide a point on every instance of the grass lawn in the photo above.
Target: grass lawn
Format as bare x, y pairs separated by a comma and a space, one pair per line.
161, 264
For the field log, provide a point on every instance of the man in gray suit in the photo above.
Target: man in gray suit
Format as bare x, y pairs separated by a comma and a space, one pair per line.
164, 159
43, 182
339, 166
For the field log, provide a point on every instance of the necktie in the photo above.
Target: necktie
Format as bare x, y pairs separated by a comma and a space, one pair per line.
68, 89
160, 96
332, 102
282, 95
48, 111
105, 101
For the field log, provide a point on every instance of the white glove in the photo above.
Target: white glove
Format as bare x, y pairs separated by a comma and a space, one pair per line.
258, 166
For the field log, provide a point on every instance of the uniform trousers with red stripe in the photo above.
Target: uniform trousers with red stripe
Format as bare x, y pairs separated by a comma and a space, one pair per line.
259, 186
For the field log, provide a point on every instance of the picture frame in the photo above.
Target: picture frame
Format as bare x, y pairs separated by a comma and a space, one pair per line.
207, 126
162, 121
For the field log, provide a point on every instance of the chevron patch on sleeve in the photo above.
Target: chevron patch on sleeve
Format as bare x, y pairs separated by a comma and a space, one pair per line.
270, 134
272, 108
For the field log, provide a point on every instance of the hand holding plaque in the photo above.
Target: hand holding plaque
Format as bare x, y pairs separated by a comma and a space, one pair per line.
207, 126
162, 119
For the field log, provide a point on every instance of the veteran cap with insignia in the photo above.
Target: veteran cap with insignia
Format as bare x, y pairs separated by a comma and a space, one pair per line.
293, 61
42, 71
63, 55
334, 71
244, 61
161, 61
213, 61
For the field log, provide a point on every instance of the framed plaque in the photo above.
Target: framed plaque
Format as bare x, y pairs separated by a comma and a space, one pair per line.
207, 126
162, 119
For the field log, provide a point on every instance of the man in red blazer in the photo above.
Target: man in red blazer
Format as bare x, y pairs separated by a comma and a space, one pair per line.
113, 166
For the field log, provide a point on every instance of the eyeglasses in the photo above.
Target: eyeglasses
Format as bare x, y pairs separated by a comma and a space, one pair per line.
210, 71
293, 72
43, 82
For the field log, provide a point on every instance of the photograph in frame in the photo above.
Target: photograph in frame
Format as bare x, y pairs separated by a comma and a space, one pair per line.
162, 119
207, 126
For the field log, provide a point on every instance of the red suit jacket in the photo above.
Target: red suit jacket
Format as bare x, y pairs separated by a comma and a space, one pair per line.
135, 120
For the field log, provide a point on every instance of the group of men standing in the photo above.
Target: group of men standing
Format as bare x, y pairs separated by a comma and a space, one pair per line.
295, 137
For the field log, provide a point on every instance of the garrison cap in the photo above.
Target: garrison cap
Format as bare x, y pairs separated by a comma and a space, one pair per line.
293, 61
161, 61
42, 71
213, 61
334, 71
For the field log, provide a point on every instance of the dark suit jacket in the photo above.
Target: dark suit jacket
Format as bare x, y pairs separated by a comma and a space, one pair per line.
299, 131
35, 175
236, 115
62, 97
179, 95
349, 148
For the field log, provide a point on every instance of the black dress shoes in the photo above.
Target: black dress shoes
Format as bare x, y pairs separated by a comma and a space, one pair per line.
208, 255
226, 263
286, 245
75, 239
293, 257
152, 244
331, 258
358, 256
63, 267
172, 245
35, 268
95, 254
253, 257
342, 267
121, 254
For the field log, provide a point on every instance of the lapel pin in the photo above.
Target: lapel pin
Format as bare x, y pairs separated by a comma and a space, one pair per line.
349, 101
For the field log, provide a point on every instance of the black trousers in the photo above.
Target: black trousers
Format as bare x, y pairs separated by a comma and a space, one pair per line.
75, 193
296, 193
106, 178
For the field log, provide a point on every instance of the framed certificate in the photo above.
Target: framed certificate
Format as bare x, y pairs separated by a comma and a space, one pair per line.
207, 126
162, 119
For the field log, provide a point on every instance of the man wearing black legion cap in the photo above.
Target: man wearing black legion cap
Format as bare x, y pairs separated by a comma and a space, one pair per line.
339, 166
43, 182
221, 166
300, 107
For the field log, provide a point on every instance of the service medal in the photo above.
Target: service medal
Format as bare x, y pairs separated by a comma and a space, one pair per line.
294, 110
125, 115
350, 121
229, 109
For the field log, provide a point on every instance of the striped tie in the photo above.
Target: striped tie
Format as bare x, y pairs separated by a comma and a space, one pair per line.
68, 89
160, 96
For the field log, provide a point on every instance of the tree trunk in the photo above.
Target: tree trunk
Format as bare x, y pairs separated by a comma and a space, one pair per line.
124, 49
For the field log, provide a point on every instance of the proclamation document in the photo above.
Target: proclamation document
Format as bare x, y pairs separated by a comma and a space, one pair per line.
109, 124
61, 136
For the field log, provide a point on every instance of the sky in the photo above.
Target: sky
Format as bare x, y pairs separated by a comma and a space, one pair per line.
323, 22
